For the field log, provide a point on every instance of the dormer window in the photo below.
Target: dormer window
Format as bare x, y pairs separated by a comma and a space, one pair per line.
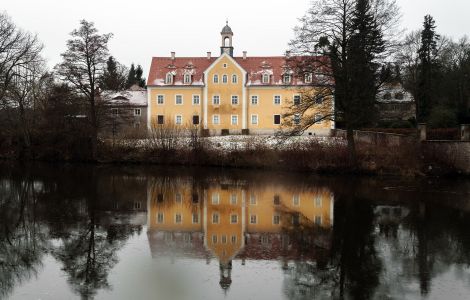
308, 77
169, 78
187, 78
265, 78
286, 78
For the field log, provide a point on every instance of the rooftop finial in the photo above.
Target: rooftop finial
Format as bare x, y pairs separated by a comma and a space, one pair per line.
226, 21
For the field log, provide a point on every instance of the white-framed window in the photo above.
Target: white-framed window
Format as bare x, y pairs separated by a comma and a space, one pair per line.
254, 100
296, 119
234, 219
277, 99
160, 99
276, 219
187, 78
234, 78
196, 99
195, 218
225, 66
160, 217
264, 240
277, 200
318, 201
308, 77
178, 119
266, 78
215, 79
137, 205
297, 99
286, 78
253, 200
224, 239
224, 78
137, 112
234, 239
254, 119
216, 100
115, 111
214, 239
233, 199
215, 198
253, 219
178, 218
318, 220
216, 119
234, 119
234, 100
277, 119
296, 200
215, 218
178, 198
318, 118
169, 78
179, 99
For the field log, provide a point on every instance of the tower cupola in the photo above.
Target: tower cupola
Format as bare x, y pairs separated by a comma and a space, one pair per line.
227, 35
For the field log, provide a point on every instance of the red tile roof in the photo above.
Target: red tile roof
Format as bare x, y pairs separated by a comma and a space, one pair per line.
254, 66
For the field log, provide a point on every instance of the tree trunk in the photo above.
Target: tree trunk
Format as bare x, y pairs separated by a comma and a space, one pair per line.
351, 147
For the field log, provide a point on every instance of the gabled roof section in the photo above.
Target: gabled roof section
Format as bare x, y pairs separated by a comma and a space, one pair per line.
179, 66
220, 58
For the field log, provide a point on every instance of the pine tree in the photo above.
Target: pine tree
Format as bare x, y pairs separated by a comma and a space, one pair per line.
131, 76
140, 81
113, 79
428, 67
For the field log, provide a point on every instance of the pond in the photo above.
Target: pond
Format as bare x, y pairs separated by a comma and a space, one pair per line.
135, 232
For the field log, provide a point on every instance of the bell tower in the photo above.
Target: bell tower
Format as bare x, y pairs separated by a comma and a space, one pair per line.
227, 35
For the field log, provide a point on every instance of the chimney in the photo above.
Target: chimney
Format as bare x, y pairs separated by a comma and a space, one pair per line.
173, 55
209, 55
244, 54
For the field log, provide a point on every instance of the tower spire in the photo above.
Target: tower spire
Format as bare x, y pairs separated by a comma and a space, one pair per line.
227, 35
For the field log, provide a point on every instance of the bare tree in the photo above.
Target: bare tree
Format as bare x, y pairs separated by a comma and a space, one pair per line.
82, 66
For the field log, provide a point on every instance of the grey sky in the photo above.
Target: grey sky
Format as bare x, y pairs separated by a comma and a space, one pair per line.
145, 28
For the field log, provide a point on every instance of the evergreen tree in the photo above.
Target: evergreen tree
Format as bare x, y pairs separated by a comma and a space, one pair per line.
428, 69
138, 76
113, 79
131, 76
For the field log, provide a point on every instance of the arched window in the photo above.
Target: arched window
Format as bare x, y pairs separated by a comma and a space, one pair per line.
227, 42
216, 78
169, 78
234, 78
224, 79
265, 78
187, 78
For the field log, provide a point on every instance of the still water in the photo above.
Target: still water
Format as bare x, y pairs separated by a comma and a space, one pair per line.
83, 232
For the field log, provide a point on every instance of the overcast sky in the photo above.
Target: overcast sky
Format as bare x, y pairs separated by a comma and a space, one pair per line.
145, 28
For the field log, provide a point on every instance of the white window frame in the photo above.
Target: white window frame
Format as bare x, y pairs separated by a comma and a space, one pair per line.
115, 111
254, 97
185, 78
274, 217
176, 120
215, 78
234, 97
286, 75
274, 99
257, 119
169, 78
213, 119
215, 199
234, 78
225, 66
318, 201
178, 198
163, 99
214, 239
263, 78
163, 217
231, 119
192, 218
224, 78
308, 77
233, 239
280, 120
198, 99
231, 219
233, 197
295, 96
255, 202
215, 214
176, 99
213, 100
296, 200
223, 239
181, 218
296, 119
139, 112
251, 219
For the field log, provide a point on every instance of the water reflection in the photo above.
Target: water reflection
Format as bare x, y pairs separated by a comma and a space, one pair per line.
317, 238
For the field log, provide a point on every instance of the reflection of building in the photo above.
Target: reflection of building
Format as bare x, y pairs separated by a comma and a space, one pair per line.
389, 218
231, 220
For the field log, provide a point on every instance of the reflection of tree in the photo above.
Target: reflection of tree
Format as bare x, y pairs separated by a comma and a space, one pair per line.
22, 240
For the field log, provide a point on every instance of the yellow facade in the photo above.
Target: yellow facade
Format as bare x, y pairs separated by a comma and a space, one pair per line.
231, 97
228, 213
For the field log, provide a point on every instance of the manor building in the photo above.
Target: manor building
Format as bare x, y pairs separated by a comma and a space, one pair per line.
228, 94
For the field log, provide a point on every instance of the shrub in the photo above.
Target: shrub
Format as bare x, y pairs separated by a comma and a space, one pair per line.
442, 117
